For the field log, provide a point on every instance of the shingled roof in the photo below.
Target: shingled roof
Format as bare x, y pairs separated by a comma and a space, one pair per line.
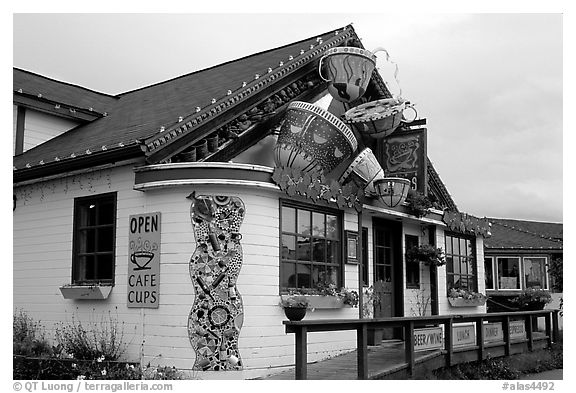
143, 114
524, 235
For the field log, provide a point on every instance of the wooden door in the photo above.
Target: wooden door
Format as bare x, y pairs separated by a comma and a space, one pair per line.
385, 284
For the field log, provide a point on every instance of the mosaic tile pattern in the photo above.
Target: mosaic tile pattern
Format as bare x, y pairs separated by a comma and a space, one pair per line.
217, 314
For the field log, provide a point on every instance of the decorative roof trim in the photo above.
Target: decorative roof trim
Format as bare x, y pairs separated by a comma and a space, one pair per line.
235, 96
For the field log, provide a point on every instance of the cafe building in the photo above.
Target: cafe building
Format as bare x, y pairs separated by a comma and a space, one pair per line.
189, 208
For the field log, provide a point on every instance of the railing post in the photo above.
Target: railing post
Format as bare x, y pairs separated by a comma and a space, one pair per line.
480, 337
448, 342
548, 321
362, 349
409, 346
555, 326
506, 332
529, 335
301, 352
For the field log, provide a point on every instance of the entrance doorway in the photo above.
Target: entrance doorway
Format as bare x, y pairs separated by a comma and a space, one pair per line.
388, 272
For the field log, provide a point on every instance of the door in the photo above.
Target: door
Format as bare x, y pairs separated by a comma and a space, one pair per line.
386, 270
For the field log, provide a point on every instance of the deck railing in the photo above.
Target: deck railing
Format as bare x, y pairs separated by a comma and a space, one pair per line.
409, 324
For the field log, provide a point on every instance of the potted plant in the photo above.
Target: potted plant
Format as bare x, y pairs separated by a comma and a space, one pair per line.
532, 299
419, 203
294, 306
371, 299
460, 297
427, 254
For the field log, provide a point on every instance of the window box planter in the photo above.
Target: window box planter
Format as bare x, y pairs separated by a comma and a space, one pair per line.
323, 302
86, 292
461, 302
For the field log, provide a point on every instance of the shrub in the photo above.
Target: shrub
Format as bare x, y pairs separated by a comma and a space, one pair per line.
93, 340
28, 336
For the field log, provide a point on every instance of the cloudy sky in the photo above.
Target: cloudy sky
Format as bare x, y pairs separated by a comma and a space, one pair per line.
489, 85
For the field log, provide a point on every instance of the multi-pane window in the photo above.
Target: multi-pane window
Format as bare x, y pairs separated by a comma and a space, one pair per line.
94, 239
461, 270
311, 243
508, 269
534, 272
412, 267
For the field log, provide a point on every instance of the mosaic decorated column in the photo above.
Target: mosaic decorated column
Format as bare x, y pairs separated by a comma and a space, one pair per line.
217, 314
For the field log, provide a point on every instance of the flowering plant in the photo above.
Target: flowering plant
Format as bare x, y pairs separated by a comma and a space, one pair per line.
350, 297
294, 301
465, 294
427, 254
533, 298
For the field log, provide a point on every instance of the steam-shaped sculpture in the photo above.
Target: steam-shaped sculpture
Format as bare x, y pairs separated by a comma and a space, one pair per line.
348, 70
217, 314
312, 139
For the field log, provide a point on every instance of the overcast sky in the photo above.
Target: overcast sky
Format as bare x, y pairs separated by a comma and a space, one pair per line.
489, 85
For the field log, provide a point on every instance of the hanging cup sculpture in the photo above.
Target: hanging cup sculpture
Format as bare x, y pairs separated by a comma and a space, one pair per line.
377, 119
313, 140
364, 171
348, 70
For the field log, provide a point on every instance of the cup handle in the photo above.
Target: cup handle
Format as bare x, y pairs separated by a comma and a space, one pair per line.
320, 70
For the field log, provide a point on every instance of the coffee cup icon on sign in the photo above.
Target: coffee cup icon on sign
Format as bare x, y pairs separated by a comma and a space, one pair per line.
141, 259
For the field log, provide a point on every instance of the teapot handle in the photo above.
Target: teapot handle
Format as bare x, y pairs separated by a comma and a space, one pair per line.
320, 70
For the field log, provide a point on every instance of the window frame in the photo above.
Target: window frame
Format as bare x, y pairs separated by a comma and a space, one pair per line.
474, 263
523, 271
494, 272
497, 273
340, 237
78, 204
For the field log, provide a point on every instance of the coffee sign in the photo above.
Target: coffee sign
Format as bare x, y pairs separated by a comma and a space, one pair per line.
144, 261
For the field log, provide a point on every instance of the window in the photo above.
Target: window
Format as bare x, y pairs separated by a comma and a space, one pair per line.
94, 239
508, 272
489, 272
534, 272
461, 262
311, 244
412, 267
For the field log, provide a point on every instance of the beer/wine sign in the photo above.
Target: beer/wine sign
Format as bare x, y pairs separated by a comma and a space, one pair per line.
144, 261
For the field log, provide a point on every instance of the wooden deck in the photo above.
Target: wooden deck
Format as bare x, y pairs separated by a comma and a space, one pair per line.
384, 360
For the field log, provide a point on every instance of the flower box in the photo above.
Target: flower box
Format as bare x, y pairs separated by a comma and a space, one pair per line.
461, 302
323, 302
85, 292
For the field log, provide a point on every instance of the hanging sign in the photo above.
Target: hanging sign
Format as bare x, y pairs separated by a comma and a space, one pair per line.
428, 338
517, 330
144, 260
464, 335
493, 332
403, 154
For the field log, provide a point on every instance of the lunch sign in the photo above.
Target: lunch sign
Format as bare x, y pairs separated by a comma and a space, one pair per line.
144, 261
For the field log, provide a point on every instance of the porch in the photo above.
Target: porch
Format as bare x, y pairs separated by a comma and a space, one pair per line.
401, 359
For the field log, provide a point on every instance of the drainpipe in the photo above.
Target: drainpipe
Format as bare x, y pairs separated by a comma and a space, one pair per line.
359, 259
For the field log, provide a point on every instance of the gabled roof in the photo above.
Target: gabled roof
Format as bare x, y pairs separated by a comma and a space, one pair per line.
524, 235
143, 115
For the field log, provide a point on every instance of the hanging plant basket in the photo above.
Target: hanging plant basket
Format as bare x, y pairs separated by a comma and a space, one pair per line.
427, 254
295, 313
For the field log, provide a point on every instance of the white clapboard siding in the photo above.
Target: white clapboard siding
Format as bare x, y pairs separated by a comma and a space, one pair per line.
40, 127
42, 263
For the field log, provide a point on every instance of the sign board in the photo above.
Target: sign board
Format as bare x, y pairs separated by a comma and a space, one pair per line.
403, 154
144, 260
493, 332
517, 330
463, 335
428, 338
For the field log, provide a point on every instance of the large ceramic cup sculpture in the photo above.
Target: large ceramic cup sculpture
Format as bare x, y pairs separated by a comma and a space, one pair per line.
312, 139
348, 71
217, 313
363, 171
377, 119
